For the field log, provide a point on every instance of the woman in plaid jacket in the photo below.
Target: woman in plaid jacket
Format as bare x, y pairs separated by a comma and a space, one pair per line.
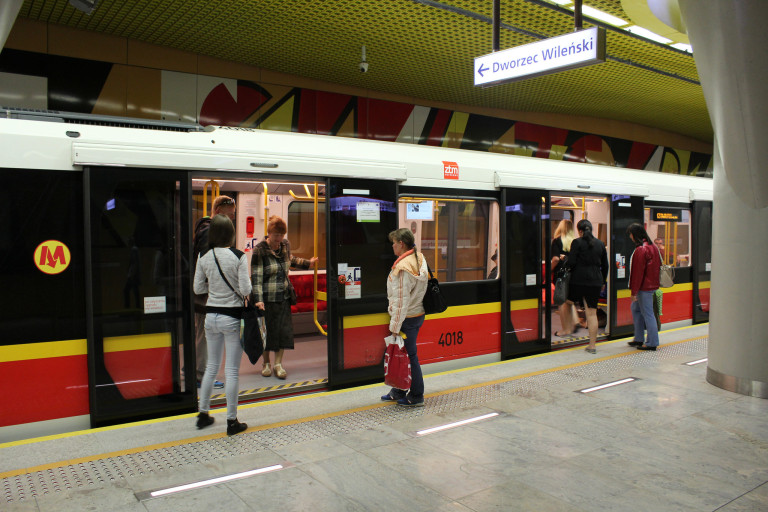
273, 293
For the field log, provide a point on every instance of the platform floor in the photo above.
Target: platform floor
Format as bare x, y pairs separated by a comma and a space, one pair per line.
665, 441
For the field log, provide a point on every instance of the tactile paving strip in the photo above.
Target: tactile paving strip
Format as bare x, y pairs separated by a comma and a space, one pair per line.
26, 487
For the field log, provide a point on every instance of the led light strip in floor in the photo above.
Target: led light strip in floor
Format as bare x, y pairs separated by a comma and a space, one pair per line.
698, 361
610, 384
205, 483
455, 424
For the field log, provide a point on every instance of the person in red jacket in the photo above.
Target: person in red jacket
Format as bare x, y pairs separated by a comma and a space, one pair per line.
644, 266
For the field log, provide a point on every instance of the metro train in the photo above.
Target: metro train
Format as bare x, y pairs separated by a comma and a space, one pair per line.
97, 316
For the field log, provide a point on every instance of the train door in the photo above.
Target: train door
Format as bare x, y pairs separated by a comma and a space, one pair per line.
361, 214
568, 322
138, 293
702, 259
301, 204
624, 211
521, 302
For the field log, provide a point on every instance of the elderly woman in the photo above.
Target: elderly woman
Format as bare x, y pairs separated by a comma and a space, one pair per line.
272, 291
406, 285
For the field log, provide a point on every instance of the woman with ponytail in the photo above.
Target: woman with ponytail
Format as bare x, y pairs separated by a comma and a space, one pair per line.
588, 262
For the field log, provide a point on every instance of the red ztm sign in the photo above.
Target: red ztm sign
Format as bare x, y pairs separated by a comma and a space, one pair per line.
450, 170
52, 257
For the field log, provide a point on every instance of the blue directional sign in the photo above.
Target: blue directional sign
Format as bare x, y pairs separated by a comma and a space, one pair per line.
569, 51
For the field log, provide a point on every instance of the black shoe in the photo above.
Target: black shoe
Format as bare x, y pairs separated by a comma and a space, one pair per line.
646, 347
634, 343
235, 427
204, 420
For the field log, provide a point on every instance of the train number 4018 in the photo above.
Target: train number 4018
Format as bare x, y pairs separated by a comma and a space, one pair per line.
451, 338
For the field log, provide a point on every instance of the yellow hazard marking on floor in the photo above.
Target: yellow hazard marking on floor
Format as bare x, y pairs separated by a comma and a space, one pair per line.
159, 446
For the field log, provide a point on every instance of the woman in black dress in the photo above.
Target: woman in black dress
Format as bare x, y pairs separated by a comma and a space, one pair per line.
588, 262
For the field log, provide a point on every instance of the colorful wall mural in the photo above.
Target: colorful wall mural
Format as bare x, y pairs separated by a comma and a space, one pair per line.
44, 81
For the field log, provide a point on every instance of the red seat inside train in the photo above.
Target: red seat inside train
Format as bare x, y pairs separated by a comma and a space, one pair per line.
303, 284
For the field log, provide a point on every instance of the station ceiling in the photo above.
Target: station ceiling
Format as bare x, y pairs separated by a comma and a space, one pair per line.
423, 49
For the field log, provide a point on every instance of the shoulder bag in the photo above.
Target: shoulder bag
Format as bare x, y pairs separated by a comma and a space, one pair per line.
666, 273
254, 334
562, 279
433, 300
397, 364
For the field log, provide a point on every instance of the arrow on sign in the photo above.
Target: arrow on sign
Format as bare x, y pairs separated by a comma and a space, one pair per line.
482, 69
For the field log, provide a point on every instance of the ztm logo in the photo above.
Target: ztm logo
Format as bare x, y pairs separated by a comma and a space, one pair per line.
52, 257
450, 170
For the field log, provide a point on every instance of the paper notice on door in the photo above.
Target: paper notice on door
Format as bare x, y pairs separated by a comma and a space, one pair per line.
368, 212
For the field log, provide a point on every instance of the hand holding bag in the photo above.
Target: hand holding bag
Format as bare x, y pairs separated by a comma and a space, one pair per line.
397, 364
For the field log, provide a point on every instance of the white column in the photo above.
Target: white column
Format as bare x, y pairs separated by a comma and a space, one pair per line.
729, 39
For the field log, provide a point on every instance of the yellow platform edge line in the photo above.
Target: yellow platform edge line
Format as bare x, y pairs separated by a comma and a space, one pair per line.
91, 458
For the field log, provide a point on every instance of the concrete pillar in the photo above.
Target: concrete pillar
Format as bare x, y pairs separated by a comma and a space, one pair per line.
729, 39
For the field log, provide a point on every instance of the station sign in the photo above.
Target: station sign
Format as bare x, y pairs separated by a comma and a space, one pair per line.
561, 53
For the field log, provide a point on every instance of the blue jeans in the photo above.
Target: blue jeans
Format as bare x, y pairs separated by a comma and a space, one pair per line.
411, 328
644, 319
220, 331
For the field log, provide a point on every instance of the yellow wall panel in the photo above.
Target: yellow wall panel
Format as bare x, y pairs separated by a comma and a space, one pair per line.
112, 99
81, 44
143, 93
157, 57
28, 35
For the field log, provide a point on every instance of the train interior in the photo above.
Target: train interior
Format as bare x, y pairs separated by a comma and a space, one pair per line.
596, 209
256, 201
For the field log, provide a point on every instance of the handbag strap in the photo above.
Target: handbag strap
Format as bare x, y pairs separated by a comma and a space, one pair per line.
213, 250
416, 255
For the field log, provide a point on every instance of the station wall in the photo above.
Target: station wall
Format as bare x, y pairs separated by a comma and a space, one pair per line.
45, 66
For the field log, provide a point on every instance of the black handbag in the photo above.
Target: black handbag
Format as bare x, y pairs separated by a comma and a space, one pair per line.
252, 341
433, 300
562, 279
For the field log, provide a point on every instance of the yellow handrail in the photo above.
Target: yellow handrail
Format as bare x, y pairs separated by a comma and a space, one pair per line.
215, 191
317, 294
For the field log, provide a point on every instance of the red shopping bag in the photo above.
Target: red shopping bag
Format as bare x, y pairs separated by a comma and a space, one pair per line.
397, 364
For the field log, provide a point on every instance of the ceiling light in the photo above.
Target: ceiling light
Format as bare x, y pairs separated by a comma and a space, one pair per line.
644, 32
602, 16
561, 2
682, 46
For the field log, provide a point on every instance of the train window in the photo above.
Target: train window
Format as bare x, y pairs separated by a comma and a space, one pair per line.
671, 234
301, 226
459, 237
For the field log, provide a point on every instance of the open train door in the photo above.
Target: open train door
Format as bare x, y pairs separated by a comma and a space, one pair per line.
138, 294
625, 210
521, 301
702, 259
360, 214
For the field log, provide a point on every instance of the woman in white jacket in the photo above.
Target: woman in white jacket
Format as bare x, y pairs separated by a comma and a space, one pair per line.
406, 285
222, 272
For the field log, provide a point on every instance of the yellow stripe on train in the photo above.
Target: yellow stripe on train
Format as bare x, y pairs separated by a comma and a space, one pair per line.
43, 350
682, 287
352, 322
137, 342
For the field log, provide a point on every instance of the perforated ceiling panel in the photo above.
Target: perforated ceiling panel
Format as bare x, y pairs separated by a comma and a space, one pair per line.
418, 48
